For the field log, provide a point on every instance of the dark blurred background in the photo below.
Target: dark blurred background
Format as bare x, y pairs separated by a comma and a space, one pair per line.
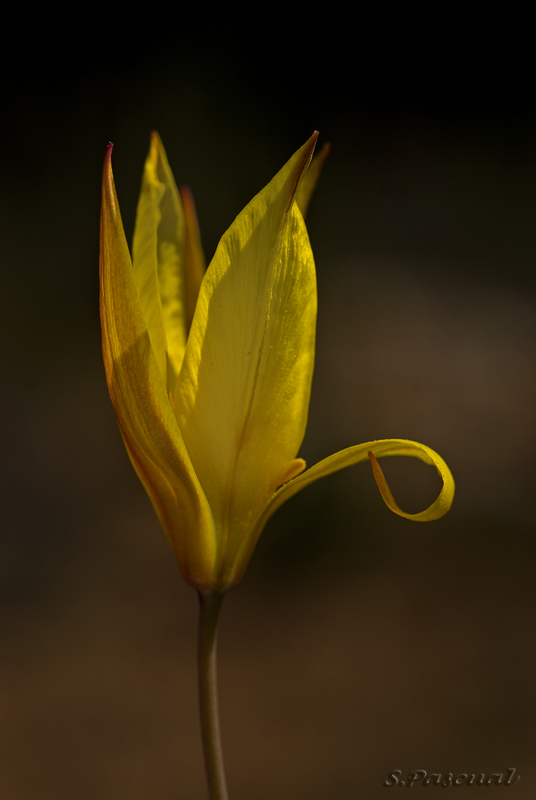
359, 642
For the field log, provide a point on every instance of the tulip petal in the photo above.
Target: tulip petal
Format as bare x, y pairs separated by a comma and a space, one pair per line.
243, 391
159, 263
143, 410
310, 179
345, 458
374, 450
193, 254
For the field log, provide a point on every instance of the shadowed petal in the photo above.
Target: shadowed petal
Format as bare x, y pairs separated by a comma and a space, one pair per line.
159, 263
193, 254
143, 410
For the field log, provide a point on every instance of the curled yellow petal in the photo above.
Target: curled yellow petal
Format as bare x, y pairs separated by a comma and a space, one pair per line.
402, 447
346, 458
138, 393
376, 449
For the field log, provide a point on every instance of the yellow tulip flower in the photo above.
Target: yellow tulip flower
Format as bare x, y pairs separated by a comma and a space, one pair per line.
210, 376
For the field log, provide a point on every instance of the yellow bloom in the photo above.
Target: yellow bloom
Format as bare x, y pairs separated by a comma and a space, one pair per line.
213, 415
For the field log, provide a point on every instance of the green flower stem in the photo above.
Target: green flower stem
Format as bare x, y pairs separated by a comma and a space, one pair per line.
209, 609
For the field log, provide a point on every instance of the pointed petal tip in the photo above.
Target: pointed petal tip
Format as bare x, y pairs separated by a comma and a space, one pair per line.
313, 140
155, 148
108, 156
306, 151
108, 191
185, 191
108, 176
